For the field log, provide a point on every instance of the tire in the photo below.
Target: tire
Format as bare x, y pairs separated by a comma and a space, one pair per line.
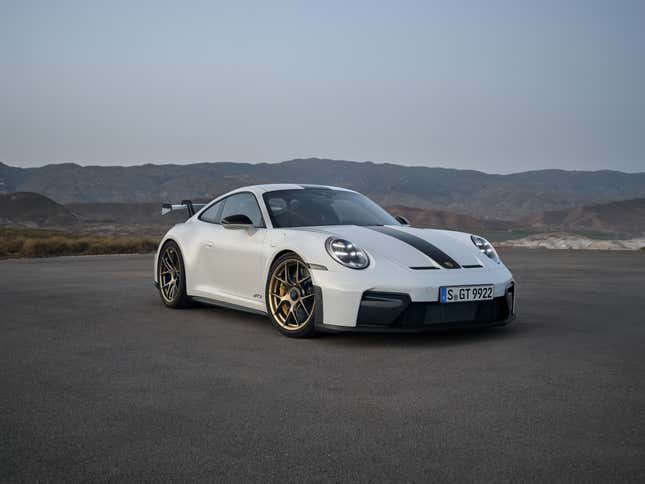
171, 275
290, 297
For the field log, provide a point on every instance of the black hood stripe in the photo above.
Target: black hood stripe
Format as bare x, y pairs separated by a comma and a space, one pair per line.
436, 254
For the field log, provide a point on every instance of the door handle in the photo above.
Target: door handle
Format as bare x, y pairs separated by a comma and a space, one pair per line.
210, 244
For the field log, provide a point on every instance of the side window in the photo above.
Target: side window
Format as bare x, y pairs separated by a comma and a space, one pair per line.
243, 204
211, 214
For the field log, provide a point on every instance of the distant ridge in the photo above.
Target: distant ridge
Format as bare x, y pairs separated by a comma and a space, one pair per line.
33, 210
623, 219
626, 218
468, 192
442, 219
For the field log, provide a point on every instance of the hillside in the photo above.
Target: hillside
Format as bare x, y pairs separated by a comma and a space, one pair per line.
442, 219
28, 209
626, 218
463, 191
34, 210
123, 213
136, 219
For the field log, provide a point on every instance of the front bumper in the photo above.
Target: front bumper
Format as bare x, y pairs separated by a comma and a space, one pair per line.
343, 292
395, 312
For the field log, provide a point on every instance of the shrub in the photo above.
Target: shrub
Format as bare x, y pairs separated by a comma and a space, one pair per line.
15, 242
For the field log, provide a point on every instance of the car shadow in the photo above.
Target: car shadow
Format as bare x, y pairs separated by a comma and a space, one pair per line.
443, 337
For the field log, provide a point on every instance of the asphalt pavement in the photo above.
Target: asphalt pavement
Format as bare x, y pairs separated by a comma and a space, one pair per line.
100, 382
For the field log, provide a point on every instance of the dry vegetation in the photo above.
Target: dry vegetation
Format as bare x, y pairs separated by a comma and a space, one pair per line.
19, 242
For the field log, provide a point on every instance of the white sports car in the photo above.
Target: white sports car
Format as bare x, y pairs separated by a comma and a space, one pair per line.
324, 258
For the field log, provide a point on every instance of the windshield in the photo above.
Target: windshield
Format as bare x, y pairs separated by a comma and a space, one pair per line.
312, 207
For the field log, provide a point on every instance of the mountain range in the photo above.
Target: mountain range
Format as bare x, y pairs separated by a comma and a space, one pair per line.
472, 193
623, 219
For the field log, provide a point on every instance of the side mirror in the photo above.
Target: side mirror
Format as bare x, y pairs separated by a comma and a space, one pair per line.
402, 220
237, 222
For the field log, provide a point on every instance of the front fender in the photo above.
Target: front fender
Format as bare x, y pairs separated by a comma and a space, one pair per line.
177, 234
309, 246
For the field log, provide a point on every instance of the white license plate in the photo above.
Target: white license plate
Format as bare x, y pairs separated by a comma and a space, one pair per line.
452, 294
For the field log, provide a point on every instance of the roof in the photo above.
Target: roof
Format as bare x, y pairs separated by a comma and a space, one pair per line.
272, 187
258, 190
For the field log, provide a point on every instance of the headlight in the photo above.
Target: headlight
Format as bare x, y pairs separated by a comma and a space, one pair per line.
346, 253
486, 247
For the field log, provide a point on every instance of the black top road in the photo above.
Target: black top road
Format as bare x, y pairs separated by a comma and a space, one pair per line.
99, 381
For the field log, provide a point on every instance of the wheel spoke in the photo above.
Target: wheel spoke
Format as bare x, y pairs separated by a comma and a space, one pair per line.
294, 273
289, 314
281, 280
307, 312
168, 263
306, 278
278, 295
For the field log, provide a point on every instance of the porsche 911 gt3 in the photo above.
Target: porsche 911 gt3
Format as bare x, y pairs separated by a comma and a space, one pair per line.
321, 258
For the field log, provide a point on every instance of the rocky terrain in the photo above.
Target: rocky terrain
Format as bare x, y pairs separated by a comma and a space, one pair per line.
548, 208
443, 219
467, 192
136, 219
624, 218
562, 229
26, 209
573, 241
35, 211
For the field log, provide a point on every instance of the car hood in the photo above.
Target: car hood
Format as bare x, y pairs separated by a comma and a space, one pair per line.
411, 247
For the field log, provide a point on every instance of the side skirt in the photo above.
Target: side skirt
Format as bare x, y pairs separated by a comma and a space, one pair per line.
215, 302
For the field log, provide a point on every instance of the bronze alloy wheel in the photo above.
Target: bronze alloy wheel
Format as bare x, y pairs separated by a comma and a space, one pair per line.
171, 277
291, 297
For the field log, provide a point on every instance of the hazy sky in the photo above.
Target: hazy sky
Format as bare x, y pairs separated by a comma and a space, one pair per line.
494, 86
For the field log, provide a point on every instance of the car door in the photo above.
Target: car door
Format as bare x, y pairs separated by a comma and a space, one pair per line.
208, 228
232, 260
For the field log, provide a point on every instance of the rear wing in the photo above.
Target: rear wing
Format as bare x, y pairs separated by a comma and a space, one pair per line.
184, 205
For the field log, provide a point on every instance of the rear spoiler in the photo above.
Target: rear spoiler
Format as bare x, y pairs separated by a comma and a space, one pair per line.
184, 205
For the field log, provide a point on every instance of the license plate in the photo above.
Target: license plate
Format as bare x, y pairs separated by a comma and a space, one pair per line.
454, 294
